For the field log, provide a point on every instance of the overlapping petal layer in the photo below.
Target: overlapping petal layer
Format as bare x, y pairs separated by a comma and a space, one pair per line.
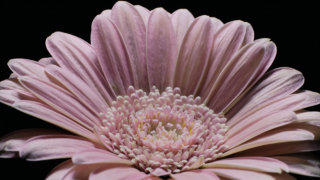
152, 97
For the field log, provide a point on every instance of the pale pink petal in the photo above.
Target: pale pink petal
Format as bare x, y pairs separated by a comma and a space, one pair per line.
117, 173
60, 100
281, 148
11, 84
48, 61
57, 146
161, 49
311, 99
144, 13
276, 136
228, 40
308, 116
194, 55
263, 164
196, 174
60, 171
78, 87
239, 73
15, 95
81, 172
46, 113
11, 143
133, 31
260, 126
287, 103
241, 174
308, 165
113, 56
78, 57
276, 84
181, 20
24, 67
94, 156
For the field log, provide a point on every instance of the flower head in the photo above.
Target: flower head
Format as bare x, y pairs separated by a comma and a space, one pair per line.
158, 95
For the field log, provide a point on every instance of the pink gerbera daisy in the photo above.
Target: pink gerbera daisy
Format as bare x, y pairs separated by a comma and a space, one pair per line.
159, 95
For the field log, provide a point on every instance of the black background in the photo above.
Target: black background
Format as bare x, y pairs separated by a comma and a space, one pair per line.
25, 25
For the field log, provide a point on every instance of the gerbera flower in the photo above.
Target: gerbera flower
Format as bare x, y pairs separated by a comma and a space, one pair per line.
159, 95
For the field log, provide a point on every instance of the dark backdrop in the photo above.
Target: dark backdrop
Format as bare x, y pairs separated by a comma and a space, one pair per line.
26, 24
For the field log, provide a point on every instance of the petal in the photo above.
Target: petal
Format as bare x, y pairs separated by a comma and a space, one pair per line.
117, 173
276, 136
275, 85
241, 174
46, 113
194, 54
304, 165
288, 103
60, 100
112, 54
60, 171
94, 156
24, 67
181, 21
239, 73
53, 147
161, 49
311, 99
246, 133
227, 42
196, 174
133, 31
78, 87
48, 61
263, 164
281, 148
11, 143
78, 57
144, 13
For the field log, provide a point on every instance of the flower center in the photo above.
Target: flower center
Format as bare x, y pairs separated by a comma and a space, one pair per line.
163, 132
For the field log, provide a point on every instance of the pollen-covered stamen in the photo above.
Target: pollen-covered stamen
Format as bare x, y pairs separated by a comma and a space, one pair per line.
167, 131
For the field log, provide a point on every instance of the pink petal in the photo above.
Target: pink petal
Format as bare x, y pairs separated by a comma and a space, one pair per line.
281, 148
306, 165
196, 174
48, 61
194, 55
275, 85
60, 100
133, 31
288, 103
239, 73
113, 56
263, 125
161, 49
46, 113
181, 21
144, 13
11, 143
94, 156
78, 87
241, 174
78, 57
311, 99
24, 67
276, 136
117, 173
53, 147
60, 171
263, 164
228, 40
